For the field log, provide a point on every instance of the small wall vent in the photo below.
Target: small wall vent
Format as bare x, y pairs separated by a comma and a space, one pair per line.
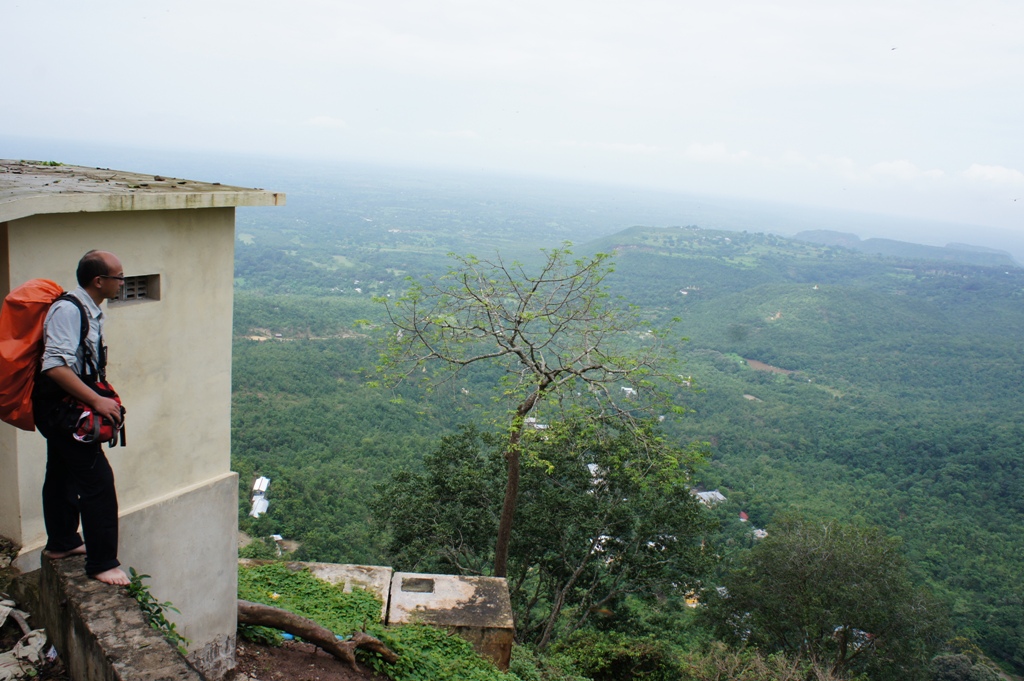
142, 287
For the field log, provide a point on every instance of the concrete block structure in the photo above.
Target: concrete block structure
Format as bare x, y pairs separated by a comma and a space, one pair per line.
475, 608
373, 578
170, 359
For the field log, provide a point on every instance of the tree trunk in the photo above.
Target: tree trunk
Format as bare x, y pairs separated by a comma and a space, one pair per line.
508, 508
282, 620
556, 607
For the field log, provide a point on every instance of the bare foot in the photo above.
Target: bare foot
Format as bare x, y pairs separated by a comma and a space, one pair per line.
115, 576
57, 555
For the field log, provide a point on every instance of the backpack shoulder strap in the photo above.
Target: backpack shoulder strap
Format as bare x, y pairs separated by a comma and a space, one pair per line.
90, 368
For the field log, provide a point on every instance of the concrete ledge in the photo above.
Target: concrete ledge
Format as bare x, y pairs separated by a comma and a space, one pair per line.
208, 614
100, 632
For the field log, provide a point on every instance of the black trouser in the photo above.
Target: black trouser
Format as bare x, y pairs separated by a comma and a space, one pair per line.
80, 484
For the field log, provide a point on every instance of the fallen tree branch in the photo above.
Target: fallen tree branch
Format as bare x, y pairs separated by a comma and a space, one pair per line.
282, 620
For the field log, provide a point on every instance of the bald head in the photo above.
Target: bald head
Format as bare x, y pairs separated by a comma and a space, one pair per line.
101, 275
94, 264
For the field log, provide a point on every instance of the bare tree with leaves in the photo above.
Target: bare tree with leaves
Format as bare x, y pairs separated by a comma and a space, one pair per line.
556, 333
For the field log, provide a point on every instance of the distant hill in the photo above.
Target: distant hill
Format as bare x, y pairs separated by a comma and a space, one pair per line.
953, 252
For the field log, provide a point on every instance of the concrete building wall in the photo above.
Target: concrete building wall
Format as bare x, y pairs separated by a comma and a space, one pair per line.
170, 360
10, 496
200, 575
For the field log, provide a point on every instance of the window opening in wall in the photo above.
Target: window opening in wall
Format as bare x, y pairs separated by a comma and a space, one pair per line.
142, 287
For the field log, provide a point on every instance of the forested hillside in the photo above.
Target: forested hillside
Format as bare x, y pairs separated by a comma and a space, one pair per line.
891, 393
832, 384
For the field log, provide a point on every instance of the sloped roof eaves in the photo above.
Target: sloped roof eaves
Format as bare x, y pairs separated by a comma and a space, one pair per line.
34, 189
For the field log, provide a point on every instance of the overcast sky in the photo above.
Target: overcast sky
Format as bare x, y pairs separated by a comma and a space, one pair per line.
898, 106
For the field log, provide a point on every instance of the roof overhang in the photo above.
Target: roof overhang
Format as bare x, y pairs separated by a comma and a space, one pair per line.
33, 188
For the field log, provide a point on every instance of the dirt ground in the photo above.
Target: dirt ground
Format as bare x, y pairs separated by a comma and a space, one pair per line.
293, 662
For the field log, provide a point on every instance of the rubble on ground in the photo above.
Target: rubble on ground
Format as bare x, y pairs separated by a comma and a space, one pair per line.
25, 653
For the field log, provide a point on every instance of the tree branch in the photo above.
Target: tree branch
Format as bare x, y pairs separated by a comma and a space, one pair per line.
266, 616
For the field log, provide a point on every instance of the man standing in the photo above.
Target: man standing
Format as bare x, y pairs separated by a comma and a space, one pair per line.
79, 483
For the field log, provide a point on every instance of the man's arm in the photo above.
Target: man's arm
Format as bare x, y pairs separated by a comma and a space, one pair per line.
66, 378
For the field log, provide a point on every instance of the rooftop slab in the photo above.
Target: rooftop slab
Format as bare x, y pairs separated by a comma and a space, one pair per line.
39, 188
449, 600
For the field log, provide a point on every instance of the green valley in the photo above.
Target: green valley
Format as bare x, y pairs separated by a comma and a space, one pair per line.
830, 384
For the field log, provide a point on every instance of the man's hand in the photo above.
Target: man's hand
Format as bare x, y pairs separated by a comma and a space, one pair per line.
108, 409
67, 379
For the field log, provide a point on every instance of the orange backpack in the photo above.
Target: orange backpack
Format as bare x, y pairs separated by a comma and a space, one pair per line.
21, 347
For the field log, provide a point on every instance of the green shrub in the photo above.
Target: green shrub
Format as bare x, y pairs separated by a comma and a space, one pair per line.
613, 656
429, 654
720, 662
261, 548
153, 610
529, 665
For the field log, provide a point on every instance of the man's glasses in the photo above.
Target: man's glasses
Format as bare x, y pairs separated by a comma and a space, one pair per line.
112, 276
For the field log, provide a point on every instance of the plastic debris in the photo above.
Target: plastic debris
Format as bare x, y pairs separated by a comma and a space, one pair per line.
7, 609
21, 661
30, 647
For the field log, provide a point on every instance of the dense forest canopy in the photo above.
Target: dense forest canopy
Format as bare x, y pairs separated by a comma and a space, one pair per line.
832, 383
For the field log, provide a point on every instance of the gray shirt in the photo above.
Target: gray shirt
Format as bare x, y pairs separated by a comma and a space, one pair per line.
62, 329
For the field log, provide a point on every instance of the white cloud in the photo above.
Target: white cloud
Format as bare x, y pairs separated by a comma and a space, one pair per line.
848, 169
456, 134
842, 166
795, 158
903, 170
617, 147
717, 153
327, 122
994, 174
